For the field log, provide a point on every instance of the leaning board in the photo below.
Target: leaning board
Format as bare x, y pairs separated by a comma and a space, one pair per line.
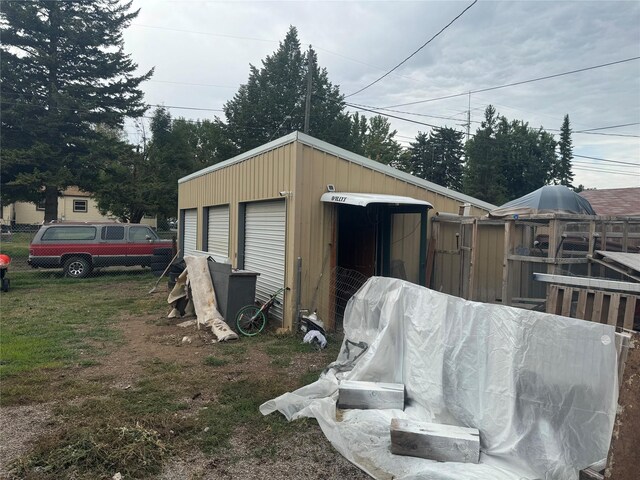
444, 443
366, 395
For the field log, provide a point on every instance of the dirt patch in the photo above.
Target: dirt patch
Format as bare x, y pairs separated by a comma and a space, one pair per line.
20, 425
200, 371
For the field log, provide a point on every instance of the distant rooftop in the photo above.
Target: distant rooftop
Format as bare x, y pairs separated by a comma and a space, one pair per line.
614, 201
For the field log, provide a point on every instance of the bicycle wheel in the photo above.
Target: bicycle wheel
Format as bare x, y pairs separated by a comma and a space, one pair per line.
250, 320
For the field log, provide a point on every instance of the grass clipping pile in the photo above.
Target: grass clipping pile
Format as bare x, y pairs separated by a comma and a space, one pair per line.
134, 452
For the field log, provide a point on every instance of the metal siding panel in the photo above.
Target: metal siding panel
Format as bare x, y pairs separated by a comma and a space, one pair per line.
190, 231
218, 231
265, 231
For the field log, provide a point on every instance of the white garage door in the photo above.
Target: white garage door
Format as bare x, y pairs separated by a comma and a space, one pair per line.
218, 233
264, 247
190, 231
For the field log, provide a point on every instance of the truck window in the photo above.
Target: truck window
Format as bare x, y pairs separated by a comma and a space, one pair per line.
113, 232
140, 234
79, 233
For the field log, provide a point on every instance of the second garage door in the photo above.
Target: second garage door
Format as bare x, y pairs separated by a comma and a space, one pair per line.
264, 247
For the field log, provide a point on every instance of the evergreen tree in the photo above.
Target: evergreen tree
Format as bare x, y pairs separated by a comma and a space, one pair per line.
507, 159
272, 102
437, 157
483, 177
64, 71
379, 144
564, 174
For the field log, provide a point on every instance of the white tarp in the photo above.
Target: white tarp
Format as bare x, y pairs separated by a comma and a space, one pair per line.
541, 388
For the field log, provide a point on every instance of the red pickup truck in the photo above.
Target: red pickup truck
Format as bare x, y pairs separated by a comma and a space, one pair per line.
78, 248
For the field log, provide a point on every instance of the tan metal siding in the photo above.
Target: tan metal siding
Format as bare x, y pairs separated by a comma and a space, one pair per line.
314, 220
305, 171
257, 178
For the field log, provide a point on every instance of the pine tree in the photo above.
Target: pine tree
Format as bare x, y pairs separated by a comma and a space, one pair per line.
507, 159
64, 71
379, 144
272, 102
564, 174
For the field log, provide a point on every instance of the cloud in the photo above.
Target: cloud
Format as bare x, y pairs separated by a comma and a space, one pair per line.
493, 43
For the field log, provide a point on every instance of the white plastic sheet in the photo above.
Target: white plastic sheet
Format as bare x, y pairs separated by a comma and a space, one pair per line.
541, 388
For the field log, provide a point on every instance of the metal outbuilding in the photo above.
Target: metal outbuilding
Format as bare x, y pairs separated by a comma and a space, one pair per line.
297, 208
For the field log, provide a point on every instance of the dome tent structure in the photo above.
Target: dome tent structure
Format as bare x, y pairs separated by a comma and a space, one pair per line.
548, 199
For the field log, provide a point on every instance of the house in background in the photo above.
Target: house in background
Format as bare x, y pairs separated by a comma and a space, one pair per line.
74, 205
614, 201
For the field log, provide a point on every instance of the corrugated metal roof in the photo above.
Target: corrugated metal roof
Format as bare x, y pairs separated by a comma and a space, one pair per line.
614, 201
347, 155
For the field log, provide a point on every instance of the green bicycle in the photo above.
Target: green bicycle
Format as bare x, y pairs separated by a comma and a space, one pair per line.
251, 319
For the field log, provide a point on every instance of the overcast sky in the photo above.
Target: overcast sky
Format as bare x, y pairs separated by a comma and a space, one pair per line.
201, 51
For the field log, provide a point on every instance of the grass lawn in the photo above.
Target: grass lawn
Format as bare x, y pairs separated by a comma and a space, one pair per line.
125, 390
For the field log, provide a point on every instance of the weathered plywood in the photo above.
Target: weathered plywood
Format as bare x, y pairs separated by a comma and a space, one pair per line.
444, 443
368, 395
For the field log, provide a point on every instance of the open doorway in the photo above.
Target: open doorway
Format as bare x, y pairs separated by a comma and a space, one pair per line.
356, 253
357, 231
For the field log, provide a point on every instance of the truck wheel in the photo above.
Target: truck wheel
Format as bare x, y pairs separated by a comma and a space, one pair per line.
77, 267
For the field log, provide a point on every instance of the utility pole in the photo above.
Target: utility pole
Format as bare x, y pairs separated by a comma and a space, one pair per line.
469, 118
307, 107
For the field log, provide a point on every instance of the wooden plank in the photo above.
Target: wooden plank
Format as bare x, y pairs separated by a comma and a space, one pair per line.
444, 443
566, 302
431, 253
592, 233
629, 311
474, 262
612, 266
596, 314
622, 346
368, 395
614, 305
582, 304
630, 287
594, 472
552, 301
549, 261
506, 291
624, 455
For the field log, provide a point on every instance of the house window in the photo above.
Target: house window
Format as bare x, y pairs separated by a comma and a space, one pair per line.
40, 205
80, 206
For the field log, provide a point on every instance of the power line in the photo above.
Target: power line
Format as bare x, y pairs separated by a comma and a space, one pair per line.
546, 77
406, 59
587, 131
358, 105
393, 116
177, 107
607, 128
606, 160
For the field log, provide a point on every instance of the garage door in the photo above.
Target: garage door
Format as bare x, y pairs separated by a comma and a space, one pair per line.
264, 247
218, 233
190, 231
